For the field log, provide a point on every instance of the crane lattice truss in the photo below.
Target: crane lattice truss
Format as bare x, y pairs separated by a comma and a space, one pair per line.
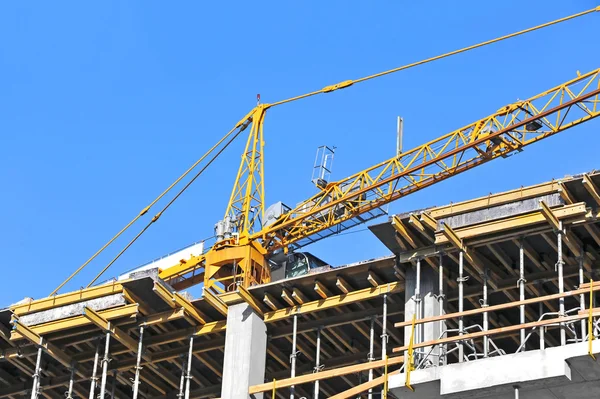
359, 197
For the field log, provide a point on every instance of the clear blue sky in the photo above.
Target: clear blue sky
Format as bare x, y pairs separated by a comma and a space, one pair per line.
103, 104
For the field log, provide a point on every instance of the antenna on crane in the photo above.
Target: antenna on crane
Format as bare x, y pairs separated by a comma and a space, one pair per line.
321, 174
399, 134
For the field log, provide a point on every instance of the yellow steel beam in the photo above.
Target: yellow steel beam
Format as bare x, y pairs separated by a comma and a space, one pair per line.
270, 301
250, 300
416, 222
373, 279
333, 302
67, 299
452, 237
129, 311
215, 302
130, 297
343, 285
324, 375
36, 339
564, 194
175, 300
549, 216
429, 221
591, 188
115, 331
287, 297
515, 222
404, 233
298, 296
321, 290
212, 327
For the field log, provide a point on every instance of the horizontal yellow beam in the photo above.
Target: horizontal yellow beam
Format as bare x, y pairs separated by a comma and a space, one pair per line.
549, 216
67, 299
323, 375
250, 300
358, 389
514, 222
494, 200
79, 321
333, 302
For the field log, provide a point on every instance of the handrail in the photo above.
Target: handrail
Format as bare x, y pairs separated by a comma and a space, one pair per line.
493, 308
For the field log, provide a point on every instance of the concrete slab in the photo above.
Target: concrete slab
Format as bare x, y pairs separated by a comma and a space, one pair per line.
553, 373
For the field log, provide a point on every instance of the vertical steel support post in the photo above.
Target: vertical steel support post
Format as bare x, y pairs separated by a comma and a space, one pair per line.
95, 372
371, 352
441, 301
516, 392
461, 348
136, 381
582, 297
35, 389
521, 283
71, 382
484, 304
418, 300
188, 373
318, 361
384, 335
561, 283
114, 385
541, 328
182, 380
105, 361
293, 355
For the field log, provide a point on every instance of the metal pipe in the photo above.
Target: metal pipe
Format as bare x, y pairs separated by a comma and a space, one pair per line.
188, 374
541, 328
521, 283
384, 335
441, 301
114, 385
418, 301
35, 389
484, 304
561, 284
71, 382
516, 392
317, 362
461, 349
105, 361
136, 381
371, 353
582, 297
182, 380
94, 372
293, 355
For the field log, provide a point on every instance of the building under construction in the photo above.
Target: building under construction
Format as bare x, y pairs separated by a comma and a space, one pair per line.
492, 297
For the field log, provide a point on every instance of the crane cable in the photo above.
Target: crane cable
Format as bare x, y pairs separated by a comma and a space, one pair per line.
347, 83
159, 214
146, 209
326, 89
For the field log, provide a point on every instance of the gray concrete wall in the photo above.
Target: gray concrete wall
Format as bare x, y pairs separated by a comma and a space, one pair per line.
245, 352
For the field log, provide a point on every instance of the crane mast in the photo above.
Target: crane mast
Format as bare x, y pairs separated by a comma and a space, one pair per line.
241, 258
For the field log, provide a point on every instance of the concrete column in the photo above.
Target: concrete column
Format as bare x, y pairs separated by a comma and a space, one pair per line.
245, 352
429, 305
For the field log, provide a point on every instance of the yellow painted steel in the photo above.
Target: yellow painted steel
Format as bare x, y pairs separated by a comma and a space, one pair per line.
410, 365
242, 258
274, 387
591, 321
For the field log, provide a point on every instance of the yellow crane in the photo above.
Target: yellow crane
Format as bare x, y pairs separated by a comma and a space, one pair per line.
245, 242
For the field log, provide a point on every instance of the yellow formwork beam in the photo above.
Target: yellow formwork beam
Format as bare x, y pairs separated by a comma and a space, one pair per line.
333, 302
36, 339
215, 302
79, 321
67, 299
175, 300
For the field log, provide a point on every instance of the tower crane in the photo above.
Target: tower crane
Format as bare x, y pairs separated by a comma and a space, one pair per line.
247, 243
